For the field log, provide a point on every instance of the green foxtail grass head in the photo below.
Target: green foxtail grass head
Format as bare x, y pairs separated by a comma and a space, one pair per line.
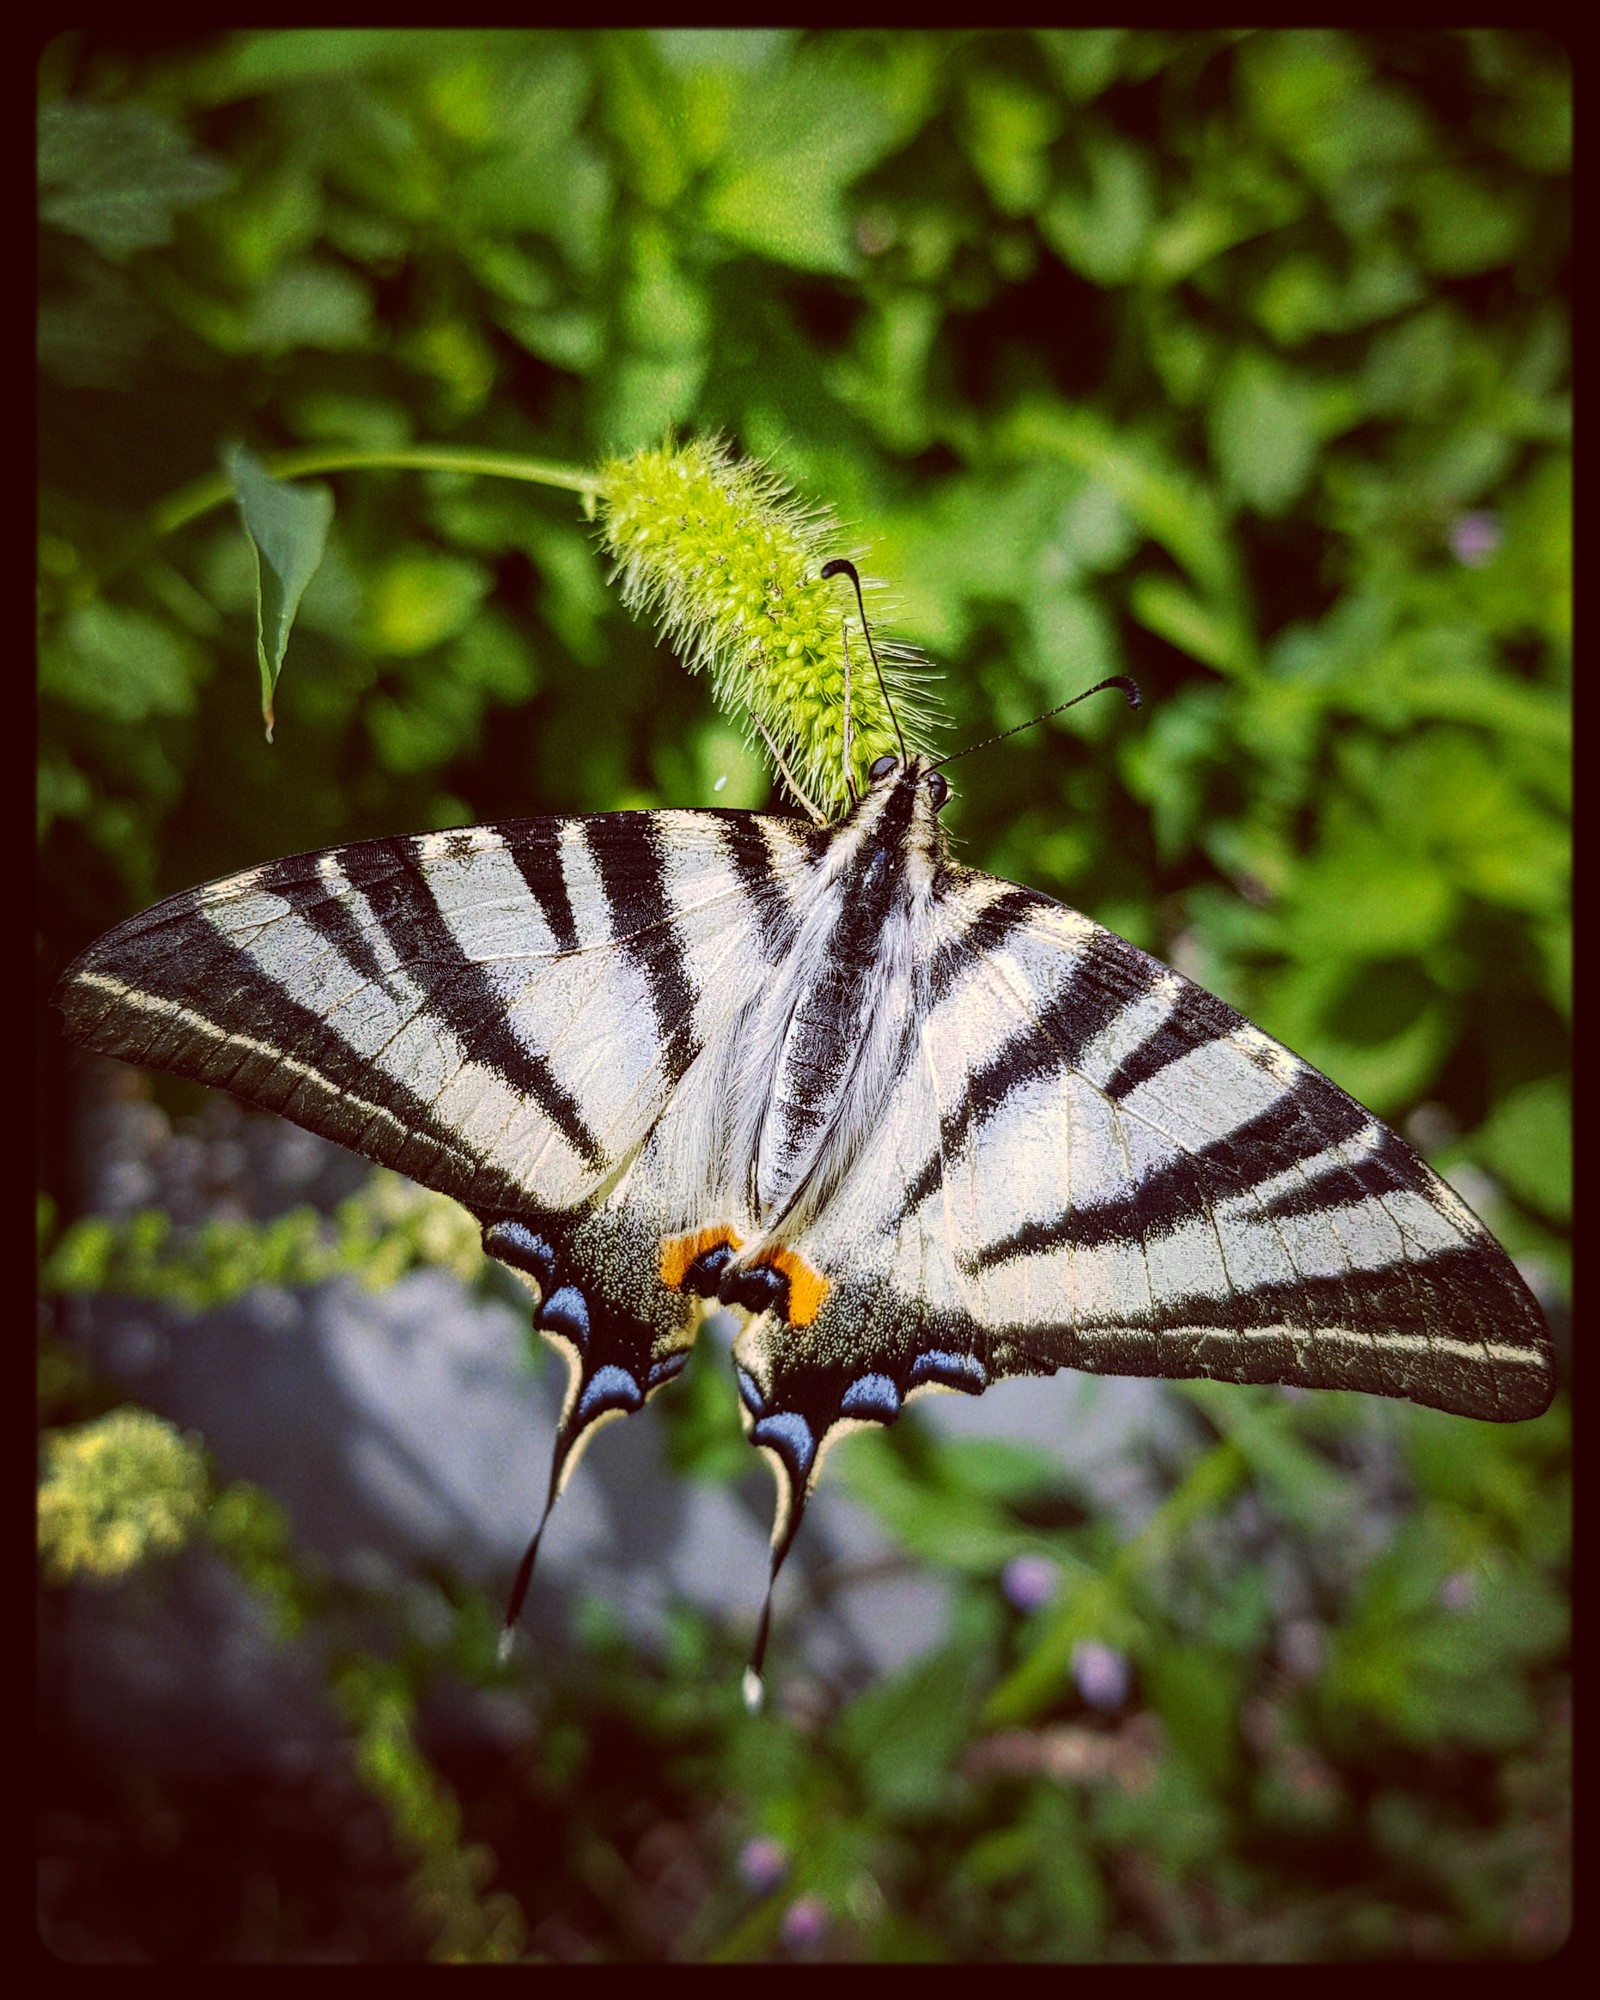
730, 563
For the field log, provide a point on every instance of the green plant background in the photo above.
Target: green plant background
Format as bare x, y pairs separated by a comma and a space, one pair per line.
1234, 361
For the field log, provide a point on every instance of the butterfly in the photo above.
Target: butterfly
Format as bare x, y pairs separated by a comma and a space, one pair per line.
923, 1129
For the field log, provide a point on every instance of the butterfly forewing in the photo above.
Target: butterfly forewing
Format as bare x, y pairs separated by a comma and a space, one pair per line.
503, 1013
500, 1012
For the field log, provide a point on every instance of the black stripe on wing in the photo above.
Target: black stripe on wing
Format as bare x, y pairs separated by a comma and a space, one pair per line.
1385, 1166
300, 882
1458, 1331
391, 877
751, 860
1103, 981
628, 858
535, 850
1311, 1116
239, 1030
1196, 1017
990, 928
847, 981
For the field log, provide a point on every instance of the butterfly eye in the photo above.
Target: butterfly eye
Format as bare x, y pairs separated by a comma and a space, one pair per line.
882, 767
938, 789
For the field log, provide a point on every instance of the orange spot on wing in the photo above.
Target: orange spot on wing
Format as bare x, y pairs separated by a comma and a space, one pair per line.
679, 1252
807, 1288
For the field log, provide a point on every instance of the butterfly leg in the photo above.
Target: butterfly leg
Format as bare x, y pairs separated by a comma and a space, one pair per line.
622, 1339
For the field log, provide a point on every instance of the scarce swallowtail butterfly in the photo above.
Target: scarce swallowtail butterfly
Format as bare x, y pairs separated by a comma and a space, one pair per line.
921, 1127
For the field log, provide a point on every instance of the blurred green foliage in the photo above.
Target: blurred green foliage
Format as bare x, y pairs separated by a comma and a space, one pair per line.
1234, 361
374, 1236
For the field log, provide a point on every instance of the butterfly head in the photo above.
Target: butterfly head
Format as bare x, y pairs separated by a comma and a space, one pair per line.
913, 773
892, 834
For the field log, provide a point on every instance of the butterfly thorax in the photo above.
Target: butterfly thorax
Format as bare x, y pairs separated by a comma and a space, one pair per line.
829, 1038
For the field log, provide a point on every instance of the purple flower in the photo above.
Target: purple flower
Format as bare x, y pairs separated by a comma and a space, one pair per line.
762, 1864
1474, 538
1029, 1582
804, 1923
1459, 1590
1101, 1673
1303, 1649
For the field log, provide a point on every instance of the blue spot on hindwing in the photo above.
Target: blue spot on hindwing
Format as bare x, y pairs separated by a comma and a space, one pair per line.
788, 1434
514, 1243
873, 1398
610, 1388
749, 1391
667, 1366
566, 1313
952, 1371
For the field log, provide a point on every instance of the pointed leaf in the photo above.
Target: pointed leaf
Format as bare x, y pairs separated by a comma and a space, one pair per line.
288, 530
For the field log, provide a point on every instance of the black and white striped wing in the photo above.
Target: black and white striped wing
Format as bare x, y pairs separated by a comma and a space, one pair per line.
1091, 1163
502, 1013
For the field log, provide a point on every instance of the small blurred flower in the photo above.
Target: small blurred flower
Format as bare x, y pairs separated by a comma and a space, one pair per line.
1261, 1725
875, 232
1459, 1590
1029, 1582
1101, 1673
1474, 538
1302, 1649
804, 1923
762, 1864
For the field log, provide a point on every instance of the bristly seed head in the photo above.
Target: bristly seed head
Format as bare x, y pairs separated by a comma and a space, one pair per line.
729, 562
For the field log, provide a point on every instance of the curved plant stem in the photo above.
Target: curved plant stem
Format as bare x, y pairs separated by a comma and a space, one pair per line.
200, 496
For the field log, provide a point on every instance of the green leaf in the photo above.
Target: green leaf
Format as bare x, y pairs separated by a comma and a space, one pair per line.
116, 174
1362, 897
1527, 1141
308, 304
1009, 129
420, 599
288, 530
1175, 614
960, 1530
799, 137
1196, 1691
1086, 60
1300, 1484
1102, 230
1465, 226
905, 1734
1263, 432
117, 1491
1380, 1029
124, 665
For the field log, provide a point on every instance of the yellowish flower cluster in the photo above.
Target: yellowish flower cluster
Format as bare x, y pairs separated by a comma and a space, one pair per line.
730, 563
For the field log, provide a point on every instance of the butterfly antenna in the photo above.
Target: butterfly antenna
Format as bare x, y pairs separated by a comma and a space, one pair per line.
849, 780
840, 567
789, 778
1129, 687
